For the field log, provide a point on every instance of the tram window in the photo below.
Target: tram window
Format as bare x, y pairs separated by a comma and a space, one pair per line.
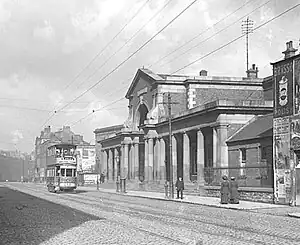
68, 172
62, 172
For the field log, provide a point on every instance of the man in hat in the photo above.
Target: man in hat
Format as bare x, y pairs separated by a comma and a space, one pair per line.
233, 189
224, 190
179, 187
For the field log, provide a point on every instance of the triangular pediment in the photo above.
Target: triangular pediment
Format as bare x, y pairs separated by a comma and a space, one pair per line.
142, 73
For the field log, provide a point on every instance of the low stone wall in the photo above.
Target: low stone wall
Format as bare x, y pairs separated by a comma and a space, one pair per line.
254, 194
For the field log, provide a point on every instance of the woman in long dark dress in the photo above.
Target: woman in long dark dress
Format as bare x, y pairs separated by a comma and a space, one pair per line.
224, 190
234, 192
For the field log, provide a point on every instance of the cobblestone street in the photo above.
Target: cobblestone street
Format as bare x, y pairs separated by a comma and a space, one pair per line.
117, 219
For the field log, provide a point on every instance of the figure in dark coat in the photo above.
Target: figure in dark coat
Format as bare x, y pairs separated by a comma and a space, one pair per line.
233, 189
102, 177
224, 190
179, 187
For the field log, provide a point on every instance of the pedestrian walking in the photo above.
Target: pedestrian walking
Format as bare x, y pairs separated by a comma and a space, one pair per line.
233, 189
179, 187
224, 190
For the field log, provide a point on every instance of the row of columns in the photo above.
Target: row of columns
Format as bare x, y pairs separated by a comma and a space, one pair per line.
155, 148
125, 162
121, 161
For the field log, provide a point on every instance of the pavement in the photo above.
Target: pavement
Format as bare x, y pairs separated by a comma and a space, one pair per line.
197, 200
267, 208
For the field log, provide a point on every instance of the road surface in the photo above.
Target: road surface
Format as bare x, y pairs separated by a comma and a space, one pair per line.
117, 219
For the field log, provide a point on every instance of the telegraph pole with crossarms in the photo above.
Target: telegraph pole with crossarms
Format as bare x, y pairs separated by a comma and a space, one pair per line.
170, 103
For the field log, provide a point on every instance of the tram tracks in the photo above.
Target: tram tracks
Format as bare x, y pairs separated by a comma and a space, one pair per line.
42, 194
174, 219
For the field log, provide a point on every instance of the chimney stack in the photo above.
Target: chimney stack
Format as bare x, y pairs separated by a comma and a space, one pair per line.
290, 51
67, 129
203, 73
252, 72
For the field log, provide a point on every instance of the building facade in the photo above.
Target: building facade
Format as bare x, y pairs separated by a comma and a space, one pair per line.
286, 136
205, 111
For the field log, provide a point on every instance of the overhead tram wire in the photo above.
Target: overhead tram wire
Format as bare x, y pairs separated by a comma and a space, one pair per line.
210, 37
93, 111
95, 57
28, 108
130, 56
132, 37
223, 46
237, 38
199, 34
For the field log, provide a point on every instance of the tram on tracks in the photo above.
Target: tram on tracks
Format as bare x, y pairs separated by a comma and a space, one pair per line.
61, 167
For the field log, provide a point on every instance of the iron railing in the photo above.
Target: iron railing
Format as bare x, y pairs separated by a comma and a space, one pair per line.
248, 176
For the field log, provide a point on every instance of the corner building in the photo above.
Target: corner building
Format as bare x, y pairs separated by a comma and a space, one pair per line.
206, 112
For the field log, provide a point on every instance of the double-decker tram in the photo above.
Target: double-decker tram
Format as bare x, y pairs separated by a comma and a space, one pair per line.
61, 167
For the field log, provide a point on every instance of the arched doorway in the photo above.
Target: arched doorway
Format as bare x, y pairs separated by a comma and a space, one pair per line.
141, 116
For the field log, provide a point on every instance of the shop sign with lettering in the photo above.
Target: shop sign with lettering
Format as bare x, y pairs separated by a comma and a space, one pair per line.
283, 78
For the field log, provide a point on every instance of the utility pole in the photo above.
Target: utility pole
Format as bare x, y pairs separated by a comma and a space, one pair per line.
169, 103
247, 28
170, 146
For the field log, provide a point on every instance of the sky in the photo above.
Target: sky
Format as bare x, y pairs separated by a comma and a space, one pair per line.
52, 51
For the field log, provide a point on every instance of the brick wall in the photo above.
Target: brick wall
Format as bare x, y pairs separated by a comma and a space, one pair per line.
180, 100
234, 158
204, 95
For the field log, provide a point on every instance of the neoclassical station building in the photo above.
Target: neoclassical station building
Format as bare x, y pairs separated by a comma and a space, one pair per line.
206, 112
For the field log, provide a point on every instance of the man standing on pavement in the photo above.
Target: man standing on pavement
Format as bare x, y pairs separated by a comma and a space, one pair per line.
179, 187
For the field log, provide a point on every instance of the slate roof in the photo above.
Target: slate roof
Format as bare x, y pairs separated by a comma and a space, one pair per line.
258, 127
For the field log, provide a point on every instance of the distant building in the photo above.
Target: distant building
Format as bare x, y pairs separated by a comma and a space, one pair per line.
14, 166
64, 135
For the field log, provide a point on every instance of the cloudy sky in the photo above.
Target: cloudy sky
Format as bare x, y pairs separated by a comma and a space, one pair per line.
45, 46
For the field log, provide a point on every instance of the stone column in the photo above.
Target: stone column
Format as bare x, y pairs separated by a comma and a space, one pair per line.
130, 152
215, 148
146, 168
132, 161
136, 157
162, 164
223, 149
150, 159
110, 164
116, 162
124, 169
186, 158
157, 160
200, 161
174, 157
104, 162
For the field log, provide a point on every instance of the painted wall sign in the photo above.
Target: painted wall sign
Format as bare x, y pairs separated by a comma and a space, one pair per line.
283, 78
